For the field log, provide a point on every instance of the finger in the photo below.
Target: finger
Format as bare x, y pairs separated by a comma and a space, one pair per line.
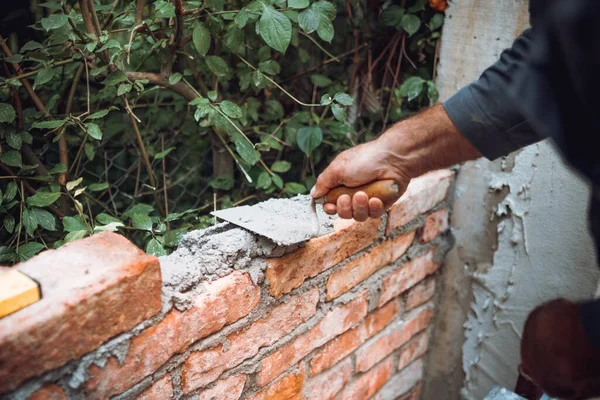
330, 178
360, 206
344, 206
330, 208
376, 208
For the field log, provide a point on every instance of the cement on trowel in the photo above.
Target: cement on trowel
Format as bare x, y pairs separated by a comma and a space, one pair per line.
284, 221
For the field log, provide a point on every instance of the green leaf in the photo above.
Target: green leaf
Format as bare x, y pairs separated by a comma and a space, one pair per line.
101, 113
320, 80
29, 250
164, 9
325, 9
163, 154
57, 169
300, 4
73, 224
9, 223
123, 89
418, 6
344, 99
14, 140
246, 150
91, 46
110, 44
14, 82
98, 187
139, 208
110, 227
45, 219
217, 65
338, 112
275, 29
392, 16
222, 182
432, 93
326, 100
11, 191
42, 77
29, 221
199, 101
294, 188
212, 95
73, 184
31, 45
155, 248
309, 138
176, 77
7, 113
234, 38
43, 199
75, 235
231, 109
142, 222
26, 137
325, 30
54, 21
7, 254
50, 124
411, 24
264, 180
281, 166
115, 77
436, 21
12, 158
106, 219
90, 151
309, 20
270, 67
277, 181
94, 130
412, 87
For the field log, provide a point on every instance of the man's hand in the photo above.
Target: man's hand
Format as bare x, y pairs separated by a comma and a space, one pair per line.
410, 148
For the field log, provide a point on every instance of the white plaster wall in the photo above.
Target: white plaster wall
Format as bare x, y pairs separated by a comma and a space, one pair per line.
520, 226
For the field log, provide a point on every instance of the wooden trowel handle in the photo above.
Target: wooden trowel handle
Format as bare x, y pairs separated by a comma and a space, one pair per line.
386, 190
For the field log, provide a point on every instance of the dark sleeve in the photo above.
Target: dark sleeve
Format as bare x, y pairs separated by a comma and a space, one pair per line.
485, 114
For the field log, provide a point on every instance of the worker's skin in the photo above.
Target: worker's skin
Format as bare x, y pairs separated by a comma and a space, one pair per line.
556, 354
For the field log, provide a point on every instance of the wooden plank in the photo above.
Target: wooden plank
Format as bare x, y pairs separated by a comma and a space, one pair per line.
17, 291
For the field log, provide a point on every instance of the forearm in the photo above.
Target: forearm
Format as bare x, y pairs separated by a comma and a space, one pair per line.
427, 141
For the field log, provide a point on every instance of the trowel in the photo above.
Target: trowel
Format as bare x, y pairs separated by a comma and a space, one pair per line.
288, 223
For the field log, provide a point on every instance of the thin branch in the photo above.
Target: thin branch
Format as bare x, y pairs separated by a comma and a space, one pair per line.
394, 84
33, 73
87, 80
180, 87
62, 140
323, 49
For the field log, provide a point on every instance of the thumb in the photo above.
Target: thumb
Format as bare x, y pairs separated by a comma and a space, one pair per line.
330, 178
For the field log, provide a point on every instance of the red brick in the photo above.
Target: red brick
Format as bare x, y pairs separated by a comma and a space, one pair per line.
401, 383
222, 302
49, 392
435, 223
413, 350
328, 384
423, 193
160, 390
364, 266
369, 383
393, 338
289, 387
335, 350
92, 290
420, 294
203, 367
288, 272
225, 389
334, 323
407, 276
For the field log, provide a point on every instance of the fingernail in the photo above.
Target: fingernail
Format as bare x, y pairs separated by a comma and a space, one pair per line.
313, 191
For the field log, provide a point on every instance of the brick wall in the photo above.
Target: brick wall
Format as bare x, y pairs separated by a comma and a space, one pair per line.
231, 316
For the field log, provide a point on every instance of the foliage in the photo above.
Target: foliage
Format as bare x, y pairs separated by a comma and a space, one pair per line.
102, 102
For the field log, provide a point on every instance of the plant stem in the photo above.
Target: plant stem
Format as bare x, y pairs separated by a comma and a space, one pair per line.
33, 73
334, 58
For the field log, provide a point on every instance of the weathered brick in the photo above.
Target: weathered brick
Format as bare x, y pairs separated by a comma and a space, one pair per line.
407, 276
413, 350
392, 338
435, 223
92, 290
335, 350
364, 266
334, 323
420, 294
204, 367
423, 193
370, 382
328, 384
222, 302
289, 387
288, 272
162, 389
402, 383
225, 389
48, 392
